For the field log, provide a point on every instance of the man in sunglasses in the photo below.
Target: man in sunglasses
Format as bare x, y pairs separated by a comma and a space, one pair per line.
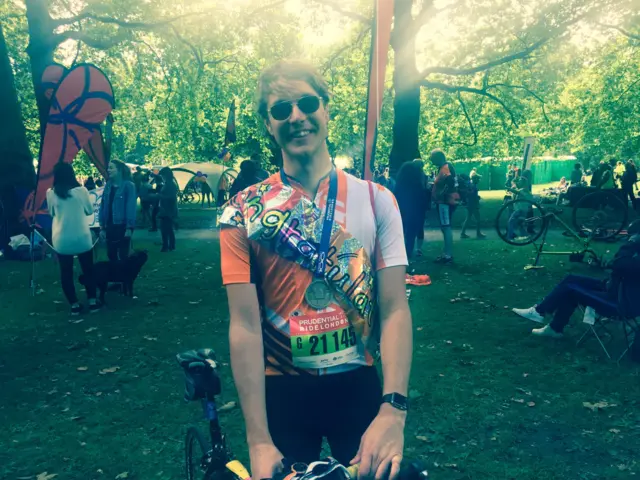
314, 264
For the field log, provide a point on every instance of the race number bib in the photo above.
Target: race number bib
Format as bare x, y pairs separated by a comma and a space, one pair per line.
322, 340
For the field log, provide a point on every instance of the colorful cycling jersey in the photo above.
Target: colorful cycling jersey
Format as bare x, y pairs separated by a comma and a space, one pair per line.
270, 235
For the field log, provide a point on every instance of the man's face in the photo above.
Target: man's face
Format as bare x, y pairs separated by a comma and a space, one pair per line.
301, 134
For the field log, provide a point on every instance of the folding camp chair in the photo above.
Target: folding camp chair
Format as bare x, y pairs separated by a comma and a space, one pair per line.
621, 313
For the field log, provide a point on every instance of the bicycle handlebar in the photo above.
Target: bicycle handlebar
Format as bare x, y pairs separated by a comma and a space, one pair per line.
409, 470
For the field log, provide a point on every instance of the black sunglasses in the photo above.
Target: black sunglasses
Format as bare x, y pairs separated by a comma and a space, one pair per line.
282, 110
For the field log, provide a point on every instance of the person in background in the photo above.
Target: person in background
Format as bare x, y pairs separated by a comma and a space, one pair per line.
523, 191
99, 183
157, 184
223, 186
577, 175
511, 173
602, 296
205, 191
628, 181
618, 172
426, 202
473, 206
410, 196
118, 211
90, 184
69, 204
261, 173
138, 179
168, 209
145, 200
447, 198
248, 176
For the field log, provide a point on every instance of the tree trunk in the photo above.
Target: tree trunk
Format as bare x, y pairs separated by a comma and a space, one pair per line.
406, 103
42, 44
16, 165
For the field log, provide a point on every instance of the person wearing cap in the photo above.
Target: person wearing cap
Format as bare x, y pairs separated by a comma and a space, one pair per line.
603, 296
473, 205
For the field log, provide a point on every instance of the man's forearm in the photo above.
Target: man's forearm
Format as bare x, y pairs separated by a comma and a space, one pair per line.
247, 364
396, 348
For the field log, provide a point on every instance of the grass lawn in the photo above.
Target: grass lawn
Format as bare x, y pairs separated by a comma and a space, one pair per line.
489, 401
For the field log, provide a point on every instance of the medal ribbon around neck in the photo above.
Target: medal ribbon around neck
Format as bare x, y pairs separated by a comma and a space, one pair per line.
327, 224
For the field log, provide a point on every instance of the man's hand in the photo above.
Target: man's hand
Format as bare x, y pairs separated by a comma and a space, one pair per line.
266, 460
103, 235
382, 445
128, 233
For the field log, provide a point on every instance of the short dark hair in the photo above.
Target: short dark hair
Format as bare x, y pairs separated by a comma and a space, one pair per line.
438, 156
288, 70
578, 166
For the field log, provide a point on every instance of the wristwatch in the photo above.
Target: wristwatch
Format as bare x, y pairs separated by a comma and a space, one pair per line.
396, 400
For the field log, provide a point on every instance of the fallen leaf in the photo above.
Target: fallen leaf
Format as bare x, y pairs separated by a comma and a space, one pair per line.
506, 307
227, 406
91, 329
422, 438
122, 475
598, 405
525, 375
80, 320
46, 476
517, 400
82, 369
98, 394
196, 302
419, 329
151, 339
522, 390
115, 338
75, 419
58, 302
108, 370
531, 404
614, 430
450, 465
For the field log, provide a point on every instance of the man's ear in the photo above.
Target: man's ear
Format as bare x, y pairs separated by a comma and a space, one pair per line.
267, 125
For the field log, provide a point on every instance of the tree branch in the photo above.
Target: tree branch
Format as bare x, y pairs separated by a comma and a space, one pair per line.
485, 66
624, 32
627, 90
469, 121
123, 23
329, 63
458, 88
522, 87
99, 44
338, 8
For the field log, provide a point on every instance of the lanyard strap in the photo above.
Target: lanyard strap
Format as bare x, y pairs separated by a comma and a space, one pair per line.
327, 224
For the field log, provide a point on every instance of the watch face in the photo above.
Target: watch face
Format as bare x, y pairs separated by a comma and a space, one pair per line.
397, 401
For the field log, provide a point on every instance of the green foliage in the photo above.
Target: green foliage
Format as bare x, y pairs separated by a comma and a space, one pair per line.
174, 81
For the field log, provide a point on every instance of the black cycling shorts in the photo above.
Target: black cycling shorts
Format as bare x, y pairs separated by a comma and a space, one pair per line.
302, 410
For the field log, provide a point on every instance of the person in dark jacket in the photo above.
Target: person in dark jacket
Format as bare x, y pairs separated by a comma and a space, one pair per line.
167, 209
248, 176
410, 195
629, 179
606, 297
117, 213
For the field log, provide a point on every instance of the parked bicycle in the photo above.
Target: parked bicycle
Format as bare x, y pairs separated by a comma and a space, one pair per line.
213, 460
596, 216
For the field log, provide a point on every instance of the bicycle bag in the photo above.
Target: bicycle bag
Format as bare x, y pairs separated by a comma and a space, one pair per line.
201, 376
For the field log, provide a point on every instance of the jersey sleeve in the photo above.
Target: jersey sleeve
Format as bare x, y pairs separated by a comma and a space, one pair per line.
235, 255
389, 249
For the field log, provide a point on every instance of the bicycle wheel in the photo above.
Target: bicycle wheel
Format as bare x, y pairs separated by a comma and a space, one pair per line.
197, 457
600, 215
520, 222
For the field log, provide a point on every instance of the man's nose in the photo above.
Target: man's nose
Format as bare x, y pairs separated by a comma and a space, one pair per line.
296, 114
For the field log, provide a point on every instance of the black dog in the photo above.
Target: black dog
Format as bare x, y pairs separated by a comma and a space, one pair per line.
124, 272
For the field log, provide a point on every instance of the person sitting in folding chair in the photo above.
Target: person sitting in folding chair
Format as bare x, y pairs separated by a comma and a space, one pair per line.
603, 296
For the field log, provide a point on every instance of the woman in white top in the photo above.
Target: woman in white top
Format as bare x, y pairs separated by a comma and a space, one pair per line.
69, 205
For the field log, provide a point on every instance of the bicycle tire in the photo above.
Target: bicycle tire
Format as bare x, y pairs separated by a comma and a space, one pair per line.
509, 207
195, 444
601, 198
